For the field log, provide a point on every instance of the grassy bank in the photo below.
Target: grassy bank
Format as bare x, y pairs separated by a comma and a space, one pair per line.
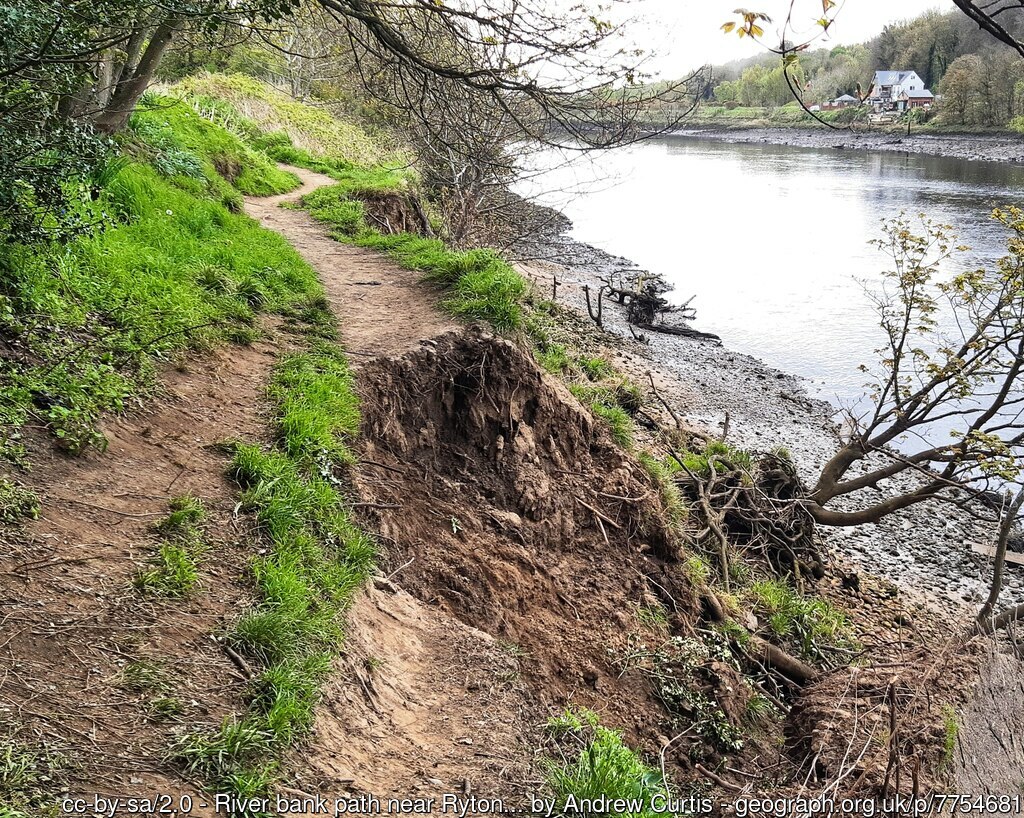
169, 264
479, 284
255, 110
166, 262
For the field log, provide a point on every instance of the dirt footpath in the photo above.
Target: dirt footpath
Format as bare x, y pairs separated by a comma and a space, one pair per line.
381, 308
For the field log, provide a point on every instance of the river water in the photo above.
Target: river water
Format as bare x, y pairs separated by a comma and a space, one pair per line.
774, 241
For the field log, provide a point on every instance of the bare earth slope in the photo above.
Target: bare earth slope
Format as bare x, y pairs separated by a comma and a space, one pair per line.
71, 623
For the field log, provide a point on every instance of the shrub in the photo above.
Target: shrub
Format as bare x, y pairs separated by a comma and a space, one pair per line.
605, 767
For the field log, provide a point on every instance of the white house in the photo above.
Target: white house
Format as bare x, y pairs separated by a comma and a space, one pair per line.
898, 91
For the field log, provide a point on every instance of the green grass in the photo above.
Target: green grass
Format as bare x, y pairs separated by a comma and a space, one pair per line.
595, 368
661, 474
606, 404
319, 410
16, 502
553, 357
604, 767
254, 108
173, 570
151, 677
951, 731
724, 456
481, 285
28, 777
697, 571
812, 625
316, 558
186, 513
146, 676
175, 270
187, 146
652, 616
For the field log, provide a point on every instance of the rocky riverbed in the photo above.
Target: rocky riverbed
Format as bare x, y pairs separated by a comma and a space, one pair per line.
925, 549
986, 147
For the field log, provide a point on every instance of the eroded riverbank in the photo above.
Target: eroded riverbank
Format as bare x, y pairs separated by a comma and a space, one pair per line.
925, 550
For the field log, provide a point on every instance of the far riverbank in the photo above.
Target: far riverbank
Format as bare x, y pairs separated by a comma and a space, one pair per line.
981, 147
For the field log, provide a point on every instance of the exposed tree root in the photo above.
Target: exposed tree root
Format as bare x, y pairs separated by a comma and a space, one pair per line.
760, 510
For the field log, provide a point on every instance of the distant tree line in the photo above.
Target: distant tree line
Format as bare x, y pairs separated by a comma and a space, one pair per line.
981, 80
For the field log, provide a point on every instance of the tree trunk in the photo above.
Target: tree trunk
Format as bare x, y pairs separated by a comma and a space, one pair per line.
130, 89
985, 622
105, 79
132, 49
872, 514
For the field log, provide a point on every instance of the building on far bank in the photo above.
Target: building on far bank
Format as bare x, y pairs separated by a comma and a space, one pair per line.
916, 99
845, 101
898, 91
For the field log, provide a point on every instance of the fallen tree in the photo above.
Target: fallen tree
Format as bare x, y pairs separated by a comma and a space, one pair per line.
643, 296
943, 420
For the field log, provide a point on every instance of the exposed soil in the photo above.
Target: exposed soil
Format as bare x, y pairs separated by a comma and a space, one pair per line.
516, 513
71, 618
421, 705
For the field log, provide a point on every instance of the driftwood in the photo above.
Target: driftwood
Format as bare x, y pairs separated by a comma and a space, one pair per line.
642, 294
685, 332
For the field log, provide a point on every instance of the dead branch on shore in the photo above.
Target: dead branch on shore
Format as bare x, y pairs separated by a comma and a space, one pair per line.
658, 395
685, 332
642, 294
597, 317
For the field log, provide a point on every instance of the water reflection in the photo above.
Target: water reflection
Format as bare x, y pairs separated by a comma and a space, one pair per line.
774, 240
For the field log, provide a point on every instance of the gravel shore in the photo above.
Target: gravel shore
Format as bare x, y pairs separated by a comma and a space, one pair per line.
984, 147
925, 550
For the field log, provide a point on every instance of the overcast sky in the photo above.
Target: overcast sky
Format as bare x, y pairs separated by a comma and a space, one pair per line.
686, 33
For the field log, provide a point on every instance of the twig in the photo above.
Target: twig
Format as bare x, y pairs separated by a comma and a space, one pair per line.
608, 520
657, 394
717, 779
238, 661
401, 568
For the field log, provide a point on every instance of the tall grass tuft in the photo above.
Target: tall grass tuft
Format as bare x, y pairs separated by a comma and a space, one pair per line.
604, 768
